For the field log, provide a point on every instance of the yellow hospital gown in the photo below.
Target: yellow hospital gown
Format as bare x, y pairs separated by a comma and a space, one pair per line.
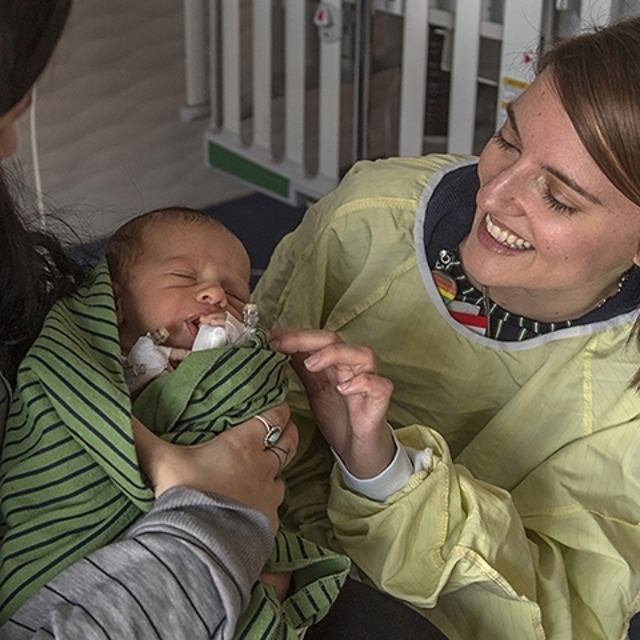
527, 526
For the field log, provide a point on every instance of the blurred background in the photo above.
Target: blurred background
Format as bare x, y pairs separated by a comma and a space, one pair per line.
253, 109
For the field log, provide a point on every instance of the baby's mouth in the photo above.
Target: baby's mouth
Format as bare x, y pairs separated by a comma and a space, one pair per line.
504, 237
193, 324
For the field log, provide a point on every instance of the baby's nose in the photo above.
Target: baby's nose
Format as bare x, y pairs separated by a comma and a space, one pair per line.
213, 295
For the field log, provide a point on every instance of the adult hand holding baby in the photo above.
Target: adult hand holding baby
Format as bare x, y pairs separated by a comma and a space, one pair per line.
234, 464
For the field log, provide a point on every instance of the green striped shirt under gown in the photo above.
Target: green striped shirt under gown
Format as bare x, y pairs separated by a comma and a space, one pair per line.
70, 480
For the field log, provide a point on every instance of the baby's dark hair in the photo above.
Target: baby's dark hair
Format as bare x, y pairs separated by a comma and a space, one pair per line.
126, 245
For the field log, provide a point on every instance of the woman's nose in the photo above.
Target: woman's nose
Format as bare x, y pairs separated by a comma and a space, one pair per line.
502, 192
213, 295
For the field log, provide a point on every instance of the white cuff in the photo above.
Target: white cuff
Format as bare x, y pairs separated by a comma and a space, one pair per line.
405, 462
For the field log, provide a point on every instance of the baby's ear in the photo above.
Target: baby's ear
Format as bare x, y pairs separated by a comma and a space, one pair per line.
117, 296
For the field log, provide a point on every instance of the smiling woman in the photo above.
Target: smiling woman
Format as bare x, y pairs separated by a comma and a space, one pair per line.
499, 296
538, 234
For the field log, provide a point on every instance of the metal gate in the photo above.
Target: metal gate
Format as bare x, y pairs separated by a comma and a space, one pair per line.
295, 91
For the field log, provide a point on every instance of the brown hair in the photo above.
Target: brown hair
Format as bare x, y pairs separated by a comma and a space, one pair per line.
126, 245
597, 78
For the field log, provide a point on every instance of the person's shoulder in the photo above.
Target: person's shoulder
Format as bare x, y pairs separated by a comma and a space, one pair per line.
401, 177
374, 189
384, 194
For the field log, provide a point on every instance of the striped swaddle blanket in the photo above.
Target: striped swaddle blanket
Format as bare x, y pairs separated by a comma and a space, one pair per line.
70, 480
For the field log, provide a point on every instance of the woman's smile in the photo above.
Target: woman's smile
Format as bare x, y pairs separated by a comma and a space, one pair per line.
504, 236
536, 201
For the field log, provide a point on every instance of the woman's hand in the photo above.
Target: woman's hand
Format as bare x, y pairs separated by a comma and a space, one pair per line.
348, 399
234, 464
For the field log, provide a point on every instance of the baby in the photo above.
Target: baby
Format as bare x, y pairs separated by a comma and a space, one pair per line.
180, 281
169, 276
174, 272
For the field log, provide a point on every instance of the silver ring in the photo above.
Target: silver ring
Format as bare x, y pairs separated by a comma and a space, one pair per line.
275, 450
273, 433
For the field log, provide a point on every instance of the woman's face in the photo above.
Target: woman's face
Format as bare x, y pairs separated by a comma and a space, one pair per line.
547, 219
8, 135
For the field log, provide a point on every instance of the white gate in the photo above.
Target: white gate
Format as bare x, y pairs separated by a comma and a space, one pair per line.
296, 90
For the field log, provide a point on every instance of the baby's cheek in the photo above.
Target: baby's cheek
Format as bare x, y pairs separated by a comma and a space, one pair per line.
235, 309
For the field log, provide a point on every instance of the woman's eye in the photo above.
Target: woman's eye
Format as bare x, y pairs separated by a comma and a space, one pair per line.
556, 205
502, 142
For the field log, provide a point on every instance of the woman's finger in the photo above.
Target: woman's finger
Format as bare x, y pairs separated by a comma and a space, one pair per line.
372, 386
284, 449
343, 357
276, 428
278, 415
276, 435
291, 341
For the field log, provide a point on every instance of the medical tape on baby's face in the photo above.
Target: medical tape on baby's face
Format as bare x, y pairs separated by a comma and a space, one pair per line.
233, 331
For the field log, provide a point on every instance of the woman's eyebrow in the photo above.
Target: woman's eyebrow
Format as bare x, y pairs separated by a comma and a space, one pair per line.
556, 173
511, 117
572, 184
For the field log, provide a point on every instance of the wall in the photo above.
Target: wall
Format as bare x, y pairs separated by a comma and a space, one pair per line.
110, 137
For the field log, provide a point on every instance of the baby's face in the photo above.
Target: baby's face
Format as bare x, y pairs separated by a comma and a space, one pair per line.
187, 271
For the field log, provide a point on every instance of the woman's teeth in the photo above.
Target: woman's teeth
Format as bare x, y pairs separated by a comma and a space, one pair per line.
504, 237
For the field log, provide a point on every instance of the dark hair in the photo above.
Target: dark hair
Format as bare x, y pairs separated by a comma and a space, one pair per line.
127, 244
29, 32
34, 270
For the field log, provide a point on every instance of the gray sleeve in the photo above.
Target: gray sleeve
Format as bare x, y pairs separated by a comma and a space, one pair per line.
184, 571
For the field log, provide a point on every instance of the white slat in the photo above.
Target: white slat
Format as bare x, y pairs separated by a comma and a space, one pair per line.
231, 66
262, 64
414, 77
329, 121
294, 80
196, 54
464, 73
520, 41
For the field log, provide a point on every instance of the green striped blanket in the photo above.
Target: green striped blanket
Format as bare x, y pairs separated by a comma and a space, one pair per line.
70, 480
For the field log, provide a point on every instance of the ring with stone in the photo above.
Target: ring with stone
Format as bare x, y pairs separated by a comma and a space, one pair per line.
273, 433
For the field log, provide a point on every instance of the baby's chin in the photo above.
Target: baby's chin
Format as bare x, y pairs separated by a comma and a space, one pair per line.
180, 342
